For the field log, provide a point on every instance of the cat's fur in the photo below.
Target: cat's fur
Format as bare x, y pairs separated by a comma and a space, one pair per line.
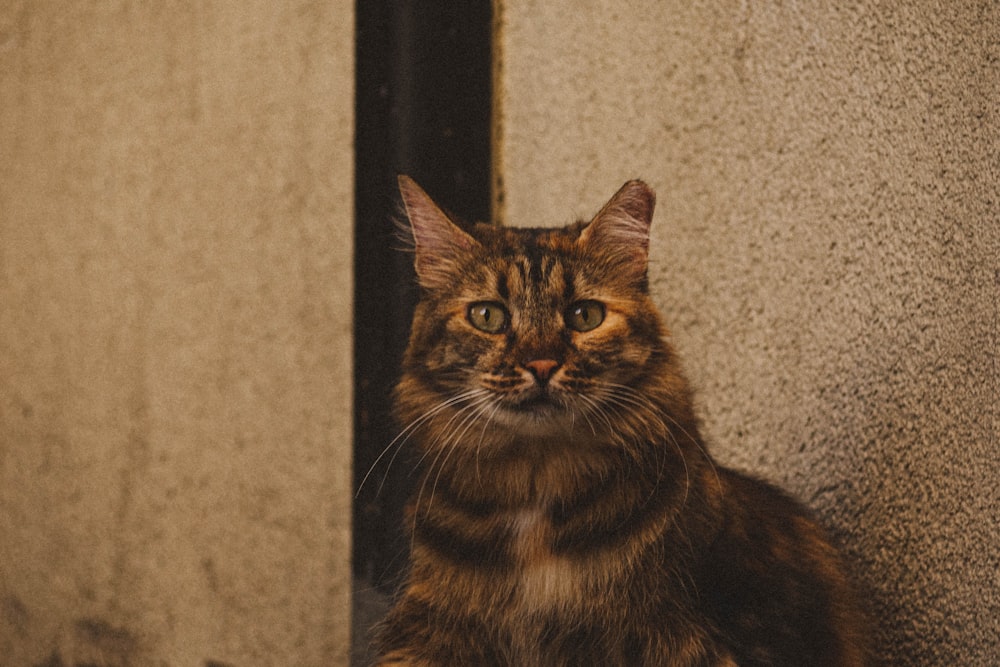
569, 513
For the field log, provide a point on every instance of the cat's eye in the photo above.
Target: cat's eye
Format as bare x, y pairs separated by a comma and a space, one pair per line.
488, 316
585, 315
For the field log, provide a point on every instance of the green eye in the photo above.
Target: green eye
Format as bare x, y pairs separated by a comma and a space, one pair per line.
585, 315
488, 316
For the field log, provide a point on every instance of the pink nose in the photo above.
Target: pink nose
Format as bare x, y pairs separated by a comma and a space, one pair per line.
542, 368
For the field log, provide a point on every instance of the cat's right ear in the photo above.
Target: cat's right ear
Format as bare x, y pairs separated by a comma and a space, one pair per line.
620, 231
438, 242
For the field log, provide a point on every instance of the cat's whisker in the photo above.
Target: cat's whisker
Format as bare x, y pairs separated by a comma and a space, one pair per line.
445, 443
636, 395
593, 406
632, 396
624, 407
444, 447
626, 398
414, 426
482, 436
455, 440
589, 405
403, 436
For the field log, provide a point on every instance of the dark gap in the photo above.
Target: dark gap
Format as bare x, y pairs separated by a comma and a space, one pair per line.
422, 107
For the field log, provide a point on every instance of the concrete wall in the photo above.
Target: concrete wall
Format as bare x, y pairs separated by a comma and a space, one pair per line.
175, 281
826, 252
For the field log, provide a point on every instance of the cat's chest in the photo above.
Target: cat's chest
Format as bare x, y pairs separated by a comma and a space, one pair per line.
544, 580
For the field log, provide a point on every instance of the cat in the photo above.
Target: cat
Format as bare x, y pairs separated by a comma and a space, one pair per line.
568, 511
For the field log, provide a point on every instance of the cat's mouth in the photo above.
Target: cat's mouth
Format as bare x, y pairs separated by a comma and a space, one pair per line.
540, 413
539, 401
533, 406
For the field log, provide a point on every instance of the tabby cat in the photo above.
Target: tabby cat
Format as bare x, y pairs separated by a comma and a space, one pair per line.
568, 512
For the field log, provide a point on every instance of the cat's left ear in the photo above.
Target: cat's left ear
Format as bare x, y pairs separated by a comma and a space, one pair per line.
438, 241
621, 229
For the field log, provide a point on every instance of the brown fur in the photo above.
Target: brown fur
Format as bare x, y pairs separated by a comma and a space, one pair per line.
576, 518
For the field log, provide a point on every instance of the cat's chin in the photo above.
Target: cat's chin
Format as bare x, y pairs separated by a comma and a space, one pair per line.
537, 417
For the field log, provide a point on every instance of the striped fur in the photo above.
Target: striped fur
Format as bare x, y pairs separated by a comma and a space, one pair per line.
568, 512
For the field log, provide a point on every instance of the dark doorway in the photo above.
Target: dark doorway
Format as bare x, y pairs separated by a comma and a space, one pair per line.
423, 103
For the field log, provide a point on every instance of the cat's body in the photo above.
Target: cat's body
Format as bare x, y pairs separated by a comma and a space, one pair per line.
569, 513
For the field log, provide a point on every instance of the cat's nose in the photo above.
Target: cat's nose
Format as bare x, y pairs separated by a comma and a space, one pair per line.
542, 369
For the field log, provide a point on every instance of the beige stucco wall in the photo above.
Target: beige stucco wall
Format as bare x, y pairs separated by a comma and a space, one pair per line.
175, 303
826, 252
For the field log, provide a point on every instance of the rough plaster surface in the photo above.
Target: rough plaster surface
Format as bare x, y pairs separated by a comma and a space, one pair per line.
175, 280
826, 252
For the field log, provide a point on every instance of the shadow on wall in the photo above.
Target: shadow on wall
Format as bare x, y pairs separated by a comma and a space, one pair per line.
93, 642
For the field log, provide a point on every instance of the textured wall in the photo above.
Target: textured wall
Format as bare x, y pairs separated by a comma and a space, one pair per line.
175, 280
826, 251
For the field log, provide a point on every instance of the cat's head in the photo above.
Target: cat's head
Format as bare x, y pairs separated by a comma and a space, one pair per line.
531, 332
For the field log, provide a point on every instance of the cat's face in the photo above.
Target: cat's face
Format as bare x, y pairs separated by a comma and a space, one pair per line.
538, 332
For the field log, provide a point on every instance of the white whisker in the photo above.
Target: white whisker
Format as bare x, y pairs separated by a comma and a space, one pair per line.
404, 435
694, 441
482, 436
591, 405
445, 446
629, 400
453, 441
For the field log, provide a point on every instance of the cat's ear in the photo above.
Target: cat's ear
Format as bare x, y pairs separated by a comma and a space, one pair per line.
621, 229
437, 240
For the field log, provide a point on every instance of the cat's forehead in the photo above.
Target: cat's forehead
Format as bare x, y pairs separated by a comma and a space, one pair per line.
530, 262
521, 240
